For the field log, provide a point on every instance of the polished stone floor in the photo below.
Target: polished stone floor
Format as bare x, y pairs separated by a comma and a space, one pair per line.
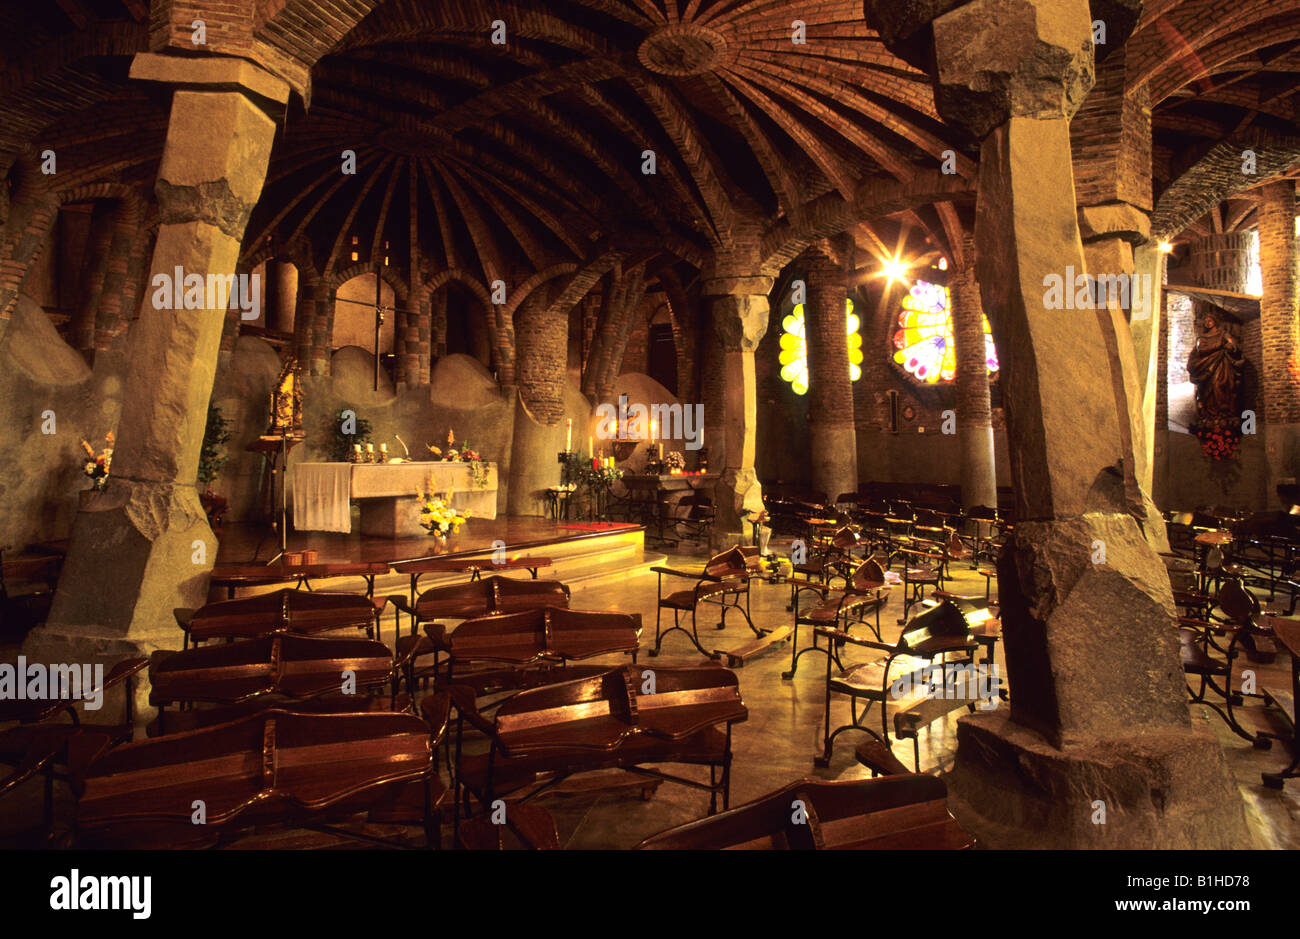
783, 733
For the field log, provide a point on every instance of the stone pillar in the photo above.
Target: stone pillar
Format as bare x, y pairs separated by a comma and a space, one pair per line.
124, 270
142, 547
94, 267
738, 307
1221, 261
1098, 703
979, 485
304, 320
281, 295
834, 445
542, 368
713, 393
1281, 335
32, 214
321, 298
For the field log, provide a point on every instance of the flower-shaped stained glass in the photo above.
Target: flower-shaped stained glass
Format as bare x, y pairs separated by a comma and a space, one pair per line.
794, 347
923, 342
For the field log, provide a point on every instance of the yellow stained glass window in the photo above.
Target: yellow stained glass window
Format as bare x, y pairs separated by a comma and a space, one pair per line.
794, 348
923, 341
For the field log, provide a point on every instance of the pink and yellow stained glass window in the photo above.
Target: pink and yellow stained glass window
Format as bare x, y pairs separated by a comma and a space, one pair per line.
923, 342
794, 347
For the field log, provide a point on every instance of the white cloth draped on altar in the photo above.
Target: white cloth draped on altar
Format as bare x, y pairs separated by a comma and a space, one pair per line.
322, 492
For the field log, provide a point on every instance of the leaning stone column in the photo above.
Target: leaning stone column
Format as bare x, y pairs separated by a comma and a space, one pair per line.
739, 309
830, 389
143, 547
543, 336
1281, 334
1098, 749
979, 485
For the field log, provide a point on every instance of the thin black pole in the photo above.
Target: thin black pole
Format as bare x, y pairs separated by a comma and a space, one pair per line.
379, 319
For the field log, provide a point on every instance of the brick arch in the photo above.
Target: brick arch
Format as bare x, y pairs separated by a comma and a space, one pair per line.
520, 293
387, 272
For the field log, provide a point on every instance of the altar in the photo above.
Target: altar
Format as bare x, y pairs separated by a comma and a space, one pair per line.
388, 494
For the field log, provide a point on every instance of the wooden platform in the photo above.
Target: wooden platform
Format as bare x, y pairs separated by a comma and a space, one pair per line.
581, 552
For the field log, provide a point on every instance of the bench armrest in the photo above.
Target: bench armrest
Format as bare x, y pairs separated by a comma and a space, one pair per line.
692, 575
401, 603
123, 670
462, 696
832, 633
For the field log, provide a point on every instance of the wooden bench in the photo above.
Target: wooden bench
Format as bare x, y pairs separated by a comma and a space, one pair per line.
866, 588
927, 641
270, 669
904, 812
535, 646
284, 611
278, 766
472, 566
723, 581
608, 720
1287, 632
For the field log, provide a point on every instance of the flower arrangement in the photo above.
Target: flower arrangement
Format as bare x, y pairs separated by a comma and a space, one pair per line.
675, 462
1219, 441
98, 465
438, 517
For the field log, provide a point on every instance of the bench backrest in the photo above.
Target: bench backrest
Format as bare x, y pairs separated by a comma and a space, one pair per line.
267, 765
892, 812
298, 611
495, 594
295, 666
600, 711
729, 563
943, 628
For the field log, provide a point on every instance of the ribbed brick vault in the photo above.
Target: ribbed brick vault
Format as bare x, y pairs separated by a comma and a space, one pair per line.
522, 162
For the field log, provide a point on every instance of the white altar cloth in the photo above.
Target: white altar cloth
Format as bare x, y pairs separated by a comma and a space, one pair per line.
322, 492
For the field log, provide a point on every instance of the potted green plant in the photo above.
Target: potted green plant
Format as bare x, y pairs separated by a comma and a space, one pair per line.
340, 443
212, 457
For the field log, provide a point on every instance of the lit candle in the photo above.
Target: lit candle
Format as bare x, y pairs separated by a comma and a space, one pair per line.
568, 437
661, 450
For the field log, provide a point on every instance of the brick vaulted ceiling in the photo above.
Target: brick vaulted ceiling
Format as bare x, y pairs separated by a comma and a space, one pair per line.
503, 160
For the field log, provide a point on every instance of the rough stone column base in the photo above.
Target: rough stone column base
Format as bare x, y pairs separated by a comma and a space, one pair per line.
979, 484
156, 541
1012, 789
834, 457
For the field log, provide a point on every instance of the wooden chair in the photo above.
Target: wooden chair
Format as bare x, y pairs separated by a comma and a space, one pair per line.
829, 559
927, 641
610, 720
723, 582
693, 516
284, 611
923, 564
277, 766
866, 588
904, 812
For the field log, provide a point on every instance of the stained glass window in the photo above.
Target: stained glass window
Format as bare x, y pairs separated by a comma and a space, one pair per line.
923, 340
794, 348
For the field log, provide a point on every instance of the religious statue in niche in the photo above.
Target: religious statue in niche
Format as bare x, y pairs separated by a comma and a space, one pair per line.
286, 402
1214, 367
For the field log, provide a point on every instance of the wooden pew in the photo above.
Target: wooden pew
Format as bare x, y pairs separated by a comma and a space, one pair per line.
276, 766
905, 812
284, 611
532, 645
544, 735
484, 597
1287, 632
254, 671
